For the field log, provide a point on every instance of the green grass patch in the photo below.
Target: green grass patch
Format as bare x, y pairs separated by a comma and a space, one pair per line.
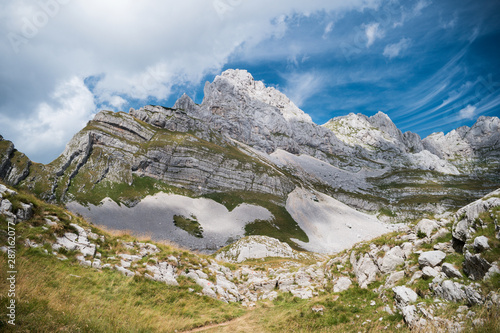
62, 296
190, 225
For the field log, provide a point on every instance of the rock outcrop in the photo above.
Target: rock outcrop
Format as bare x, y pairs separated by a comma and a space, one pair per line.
256, 247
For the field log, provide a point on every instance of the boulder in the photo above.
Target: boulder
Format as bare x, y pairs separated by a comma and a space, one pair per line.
407, 248
5, 206
473, 296
410, 315
304, 293
450, 291
124, 271
163, 272
343, 283
364, 269
494, 269
429, 272
404, 295
5, 190
72, 242
426, 226
481, 244
394, 277
475, 266
393, 258
431, 258
25, 212
451, 271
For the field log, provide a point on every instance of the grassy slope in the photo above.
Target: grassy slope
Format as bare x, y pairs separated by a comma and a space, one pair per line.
54, 295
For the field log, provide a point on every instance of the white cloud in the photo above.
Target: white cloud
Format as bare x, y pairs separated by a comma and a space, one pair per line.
468, 112
53, 123
394, 50
408, 14
328, 29
372, 33
421, 4
302, 86
117, 102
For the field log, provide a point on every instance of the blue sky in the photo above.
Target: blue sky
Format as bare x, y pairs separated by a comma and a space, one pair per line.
431, 66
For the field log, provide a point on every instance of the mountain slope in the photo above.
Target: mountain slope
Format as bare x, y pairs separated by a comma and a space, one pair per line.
73, 276
247, 143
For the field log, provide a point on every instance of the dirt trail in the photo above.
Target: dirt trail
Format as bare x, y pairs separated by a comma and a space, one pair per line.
244, 323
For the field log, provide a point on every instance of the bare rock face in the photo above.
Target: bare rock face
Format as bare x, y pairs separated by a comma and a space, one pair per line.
482, 138
256, 247
475, 266
431, 258
116, 147
463, 228
364, 268
14, 166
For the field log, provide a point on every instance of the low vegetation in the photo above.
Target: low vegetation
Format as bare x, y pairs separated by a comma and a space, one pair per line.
56, 293
189, 224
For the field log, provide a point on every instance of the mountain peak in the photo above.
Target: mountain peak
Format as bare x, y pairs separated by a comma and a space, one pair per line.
245, 84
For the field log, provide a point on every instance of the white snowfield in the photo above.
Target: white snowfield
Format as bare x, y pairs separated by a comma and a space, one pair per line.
154, 215
330, 225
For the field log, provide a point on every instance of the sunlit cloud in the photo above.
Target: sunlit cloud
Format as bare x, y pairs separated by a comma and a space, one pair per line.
469, 112
394, 50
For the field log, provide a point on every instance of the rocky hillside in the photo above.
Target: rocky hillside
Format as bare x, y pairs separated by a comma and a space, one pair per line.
247, 143
440, 275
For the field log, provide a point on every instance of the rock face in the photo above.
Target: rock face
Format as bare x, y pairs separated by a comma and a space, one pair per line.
466, 217
256, 247
365, 269
431, 258
482, 138
14, 166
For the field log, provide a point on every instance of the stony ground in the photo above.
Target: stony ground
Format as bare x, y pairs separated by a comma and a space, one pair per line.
440, 274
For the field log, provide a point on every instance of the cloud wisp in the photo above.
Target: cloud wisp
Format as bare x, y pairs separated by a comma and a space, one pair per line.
394, 50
